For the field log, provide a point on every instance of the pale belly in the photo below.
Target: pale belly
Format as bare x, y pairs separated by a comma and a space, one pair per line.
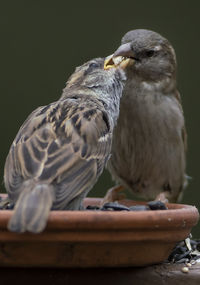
148, 151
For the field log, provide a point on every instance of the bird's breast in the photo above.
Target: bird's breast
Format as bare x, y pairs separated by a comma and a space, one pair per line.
147, 141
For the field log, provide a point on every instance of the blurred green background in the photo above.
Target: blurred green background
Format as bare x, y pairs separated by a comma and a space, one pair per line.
43, 41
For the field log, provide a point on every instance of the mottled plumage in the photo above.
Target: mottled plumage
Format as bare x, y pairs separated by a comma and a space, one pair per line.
149, 141
62, 148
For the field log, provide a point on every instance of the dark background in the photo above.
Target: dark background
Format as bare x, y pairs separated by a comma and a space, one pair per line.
43, 41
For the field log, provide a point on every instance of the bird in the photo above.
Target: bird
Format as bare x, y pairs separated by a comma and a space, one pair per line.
149, 144
61, 149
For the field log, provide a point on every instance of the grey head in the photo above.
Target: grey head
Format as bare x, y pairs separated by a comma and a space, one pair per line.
105, 85
91, 76
154, 56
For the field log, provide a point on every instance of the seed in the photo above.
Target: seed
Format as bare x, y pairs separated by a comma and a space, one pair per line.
185, 269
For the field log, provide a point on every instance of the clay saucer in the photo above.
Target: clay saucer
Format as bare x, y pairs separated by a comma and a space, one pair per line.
97, 238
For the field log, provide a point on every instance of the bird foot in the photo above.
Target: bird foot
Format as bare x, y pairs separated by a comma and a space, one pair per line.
162, 197
114, 194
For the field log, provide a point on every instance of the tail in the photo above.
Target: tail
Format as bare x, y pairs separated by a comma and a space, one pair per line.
32, 209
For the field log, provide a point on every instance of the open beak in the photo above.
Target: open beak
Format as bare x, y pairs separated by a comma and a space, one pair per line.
122, 57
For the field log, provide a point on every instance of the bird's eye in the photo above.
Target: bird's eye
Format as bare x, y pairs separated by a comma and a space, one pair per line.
93, 65
150, 53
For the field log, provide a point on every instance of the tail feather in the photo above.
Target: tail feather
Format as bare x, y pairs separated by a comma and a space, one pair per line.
32, 209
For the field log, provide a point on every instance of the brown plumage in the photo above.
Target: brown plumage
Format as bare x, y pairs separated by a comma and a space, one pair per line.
149, 141
62, 148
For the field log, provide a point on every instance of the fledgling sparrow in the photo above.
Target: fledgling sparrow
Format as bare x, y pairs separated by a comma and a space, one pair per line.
149, 141
62, 148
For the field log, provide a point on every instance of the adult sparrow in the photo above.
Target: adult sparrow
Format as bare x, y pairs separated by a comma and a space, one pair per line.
62, 148
149, 141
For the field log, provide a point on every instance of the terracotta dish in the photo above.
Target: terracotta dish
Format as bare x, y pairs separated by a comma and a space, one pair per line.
98, 239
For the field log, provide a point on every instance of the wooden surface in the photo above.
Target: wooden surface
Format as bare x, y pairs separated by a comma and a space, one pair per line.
156, 275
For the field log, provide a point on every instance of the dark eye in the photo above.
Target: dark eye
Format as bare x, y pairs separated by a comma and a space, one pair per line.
150, 53
93, 65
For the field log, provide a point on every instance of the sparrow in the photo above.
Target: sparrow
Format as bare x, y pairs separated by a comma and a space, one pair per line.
149, 141
62, 148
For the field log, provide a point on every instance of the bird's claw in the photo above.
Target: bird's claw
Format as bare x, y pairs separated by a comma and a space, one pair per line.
114, 194
162, 197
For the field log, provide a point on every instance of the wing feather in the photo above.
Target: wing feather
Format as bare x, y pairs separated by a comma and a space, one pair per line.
66, 143
184, 132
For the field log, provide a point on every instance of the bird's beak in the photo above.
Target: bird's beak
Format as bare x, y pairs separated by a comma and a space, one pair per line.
122, 57
124, 50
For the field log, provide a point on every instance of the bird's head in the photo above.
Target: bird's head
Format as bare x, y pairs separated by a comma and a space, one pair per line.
100, 81
154, 57
94, 75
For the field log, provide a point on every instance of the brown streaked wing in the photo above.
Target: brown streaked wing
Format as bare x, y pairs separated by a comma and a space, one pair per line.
84, 154
28, 151
67, 150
